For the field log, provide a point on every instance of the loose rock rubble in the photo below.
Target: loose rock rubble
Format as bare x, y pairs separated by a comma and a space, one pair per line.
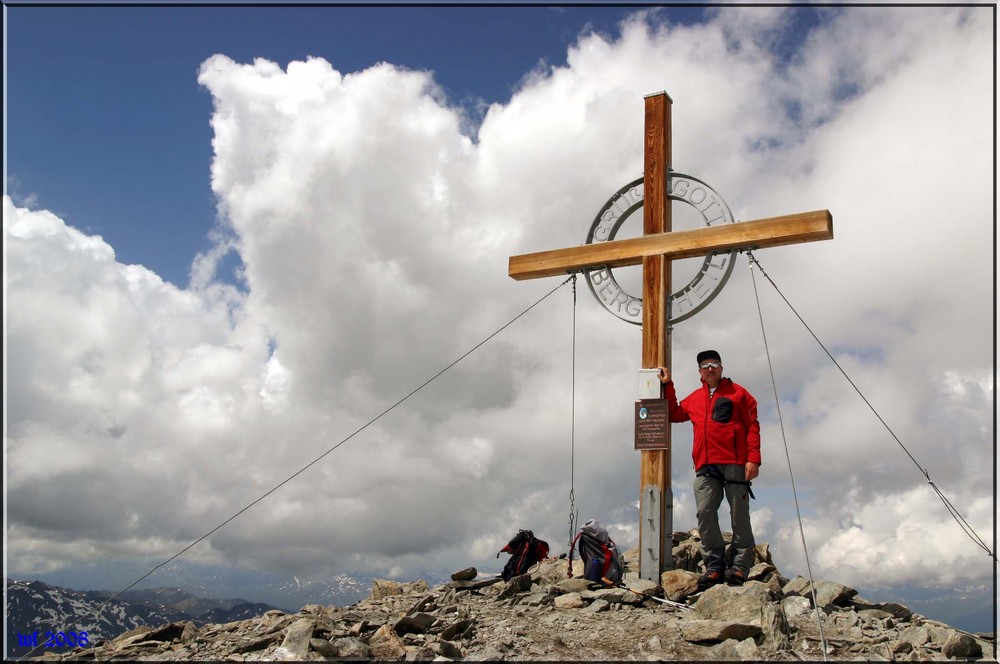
544, 615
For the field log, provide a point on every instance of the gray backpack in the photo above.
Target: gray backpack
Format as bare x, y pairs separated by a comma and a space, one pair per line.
600, 555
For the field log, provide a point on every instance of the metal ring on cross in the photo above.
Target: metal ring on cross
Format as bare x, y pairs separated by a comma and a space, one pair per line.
705, 285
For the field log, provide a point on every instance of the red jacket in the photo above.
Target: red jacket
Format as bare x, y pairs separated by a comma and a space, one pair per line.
725, 425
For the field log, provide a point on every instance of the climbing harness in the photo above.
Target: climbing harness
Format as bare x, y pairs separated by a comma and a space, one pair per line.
712, 471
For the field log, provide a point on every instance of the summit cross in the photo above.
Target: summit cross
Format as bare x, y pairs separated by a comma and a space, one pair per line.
655, 250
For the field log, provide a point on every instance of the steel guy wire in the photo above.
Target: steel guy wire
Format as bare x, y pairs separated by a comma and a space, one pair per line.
190, 546
572, 436
788, 459
963, 524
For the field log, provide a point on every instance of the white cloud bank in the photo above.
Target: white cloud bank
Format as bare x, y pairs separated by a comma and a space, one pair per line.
375, 237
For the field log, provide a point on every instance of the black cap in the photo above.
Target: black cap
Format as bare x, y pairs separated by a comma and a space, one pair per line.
708, 355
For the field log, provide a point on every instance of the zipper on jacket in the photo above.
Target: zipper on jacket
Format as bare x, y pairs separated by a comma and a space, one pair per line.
704, 426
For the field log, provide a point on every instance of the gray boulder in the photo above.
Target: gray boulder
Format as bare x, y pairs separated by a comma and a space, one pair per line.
569, 601
385, 644
351, 648
467, 574
382, 588
962, 646
578, 585
553, 570
714, 631
297, 638
884, 609
830, 594
678, 584
735, 651
643, 586
518, 584
750, 604
418, 623
796, 605
614, 596
797, 586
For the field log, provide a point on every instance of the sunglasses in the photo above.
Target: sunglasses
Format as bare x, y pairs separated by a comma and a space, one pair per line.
710, 365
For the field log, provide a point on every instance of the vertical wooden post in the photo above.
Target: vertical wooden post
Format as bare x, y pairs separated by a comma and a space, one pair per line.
656, 499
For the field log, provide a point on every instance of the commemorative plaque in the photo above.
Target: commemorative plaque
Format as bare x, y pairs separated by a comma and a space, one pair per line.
651, 422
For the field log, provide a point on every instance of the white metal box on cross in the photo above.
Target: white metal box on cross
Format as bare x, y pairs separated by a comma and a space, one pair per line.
649, 383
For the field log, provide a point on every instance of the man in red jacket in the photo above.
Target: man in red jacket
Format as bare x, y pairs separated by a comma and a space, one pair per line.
726, 453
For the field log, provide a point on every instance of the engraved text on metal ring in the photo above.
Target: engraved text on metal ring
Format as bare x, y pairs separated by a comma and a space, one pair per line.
705, 285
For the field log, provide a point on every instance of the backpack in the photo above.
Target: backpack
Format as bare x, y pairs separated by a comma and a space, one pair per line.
600, 555
525, 550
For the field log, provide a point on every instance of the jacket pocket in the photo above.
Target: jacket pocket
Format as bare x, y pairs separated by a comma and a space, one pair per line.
722, 411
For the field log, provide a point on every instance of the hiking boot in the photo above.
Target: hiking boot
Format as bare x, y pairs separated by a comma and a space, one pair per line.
712, 577
735, 577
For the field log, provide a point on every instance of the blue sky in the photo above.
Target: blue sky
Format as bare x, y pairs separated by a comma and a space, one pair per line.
102, 96
370, 171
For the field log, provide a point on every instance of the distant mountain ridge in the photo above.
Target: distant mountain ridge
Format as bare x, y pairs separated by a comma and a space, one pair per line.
36, 609
176, 600
279, 589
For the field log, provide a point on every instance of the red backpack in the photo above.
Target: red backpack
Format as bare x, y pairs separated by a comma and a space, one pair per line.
525, 550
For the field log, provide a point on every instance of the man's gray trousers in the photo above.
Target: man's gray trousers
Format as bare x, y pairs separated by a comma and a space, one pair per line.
708, 492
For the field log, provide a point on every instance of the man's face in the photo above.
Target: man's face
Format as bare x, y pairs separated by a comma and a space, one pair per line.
711, 372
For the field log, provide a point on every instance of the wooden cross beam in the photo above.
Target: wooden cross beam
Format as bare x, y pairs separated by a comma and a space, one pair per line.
655, 250
771, 232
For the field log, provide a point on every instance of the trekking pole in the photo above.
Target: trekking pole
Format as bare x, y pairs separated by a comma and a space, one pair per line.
676, 605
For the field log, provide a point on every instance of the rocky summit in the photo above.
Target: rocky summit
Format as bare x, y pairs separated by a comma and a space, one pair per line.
545, 615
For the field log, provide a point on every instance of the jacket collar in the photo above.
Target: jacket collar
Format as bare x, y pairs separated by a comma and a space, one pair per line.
723, 382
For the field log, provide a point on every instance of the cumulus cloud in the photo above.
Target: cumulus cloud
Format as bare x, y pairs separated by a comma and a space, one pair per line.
374, 231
